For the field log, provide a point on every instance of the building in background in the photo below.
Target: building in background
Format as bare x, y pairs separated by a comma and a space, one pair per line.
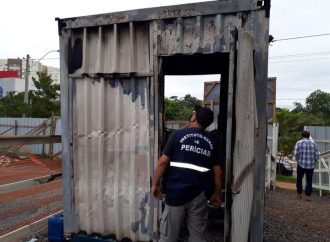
11, 84
17, 84
271, 99
15, 65
212, 98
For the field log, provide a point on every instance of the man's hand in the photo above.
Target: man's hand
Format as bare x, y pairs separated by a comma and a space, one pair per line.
162, 164
156, 192
215, 200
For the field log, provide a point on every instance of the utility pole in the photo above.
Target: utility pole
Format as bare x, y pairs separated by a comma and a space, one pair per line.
27, 72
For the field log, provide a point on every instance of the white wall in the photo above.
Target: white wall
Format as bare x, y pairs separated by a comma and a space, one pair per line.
14, 84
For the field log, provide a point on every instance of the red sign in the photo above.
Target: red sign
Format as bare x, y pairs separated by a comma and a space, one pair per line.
7, 74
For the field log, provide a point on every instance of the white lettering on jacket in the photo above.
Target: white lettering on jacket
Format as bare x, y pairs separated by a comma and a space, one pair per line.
195, 149
197, 135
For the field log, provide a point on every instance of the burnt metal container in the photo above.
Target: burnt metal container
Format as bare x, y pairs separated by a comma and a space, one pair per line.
112, 95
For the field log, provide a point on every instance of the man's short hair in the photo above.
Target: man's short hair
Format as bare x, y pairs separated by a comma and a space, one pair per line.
204, 116
305, 134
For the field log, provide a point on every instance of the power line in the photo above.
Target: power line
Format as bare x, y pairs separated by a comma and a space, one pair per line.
308, 56
310, 59
299, 55
54, 58
301, 37
289, 99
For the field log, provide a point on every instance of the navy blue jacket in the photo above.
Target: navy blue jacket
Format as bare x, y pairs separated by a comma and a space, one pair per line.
192, 151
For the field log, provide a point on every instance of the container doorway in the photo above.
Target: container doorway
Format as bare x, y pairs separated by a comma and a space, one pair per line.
187, 80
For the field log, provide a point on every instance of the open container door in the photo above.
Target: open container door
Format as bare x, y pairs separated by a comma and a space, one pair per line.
244, 138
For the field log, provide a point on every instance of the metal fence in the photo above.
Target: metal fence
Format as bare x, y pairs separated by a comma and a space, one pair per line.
321, 178
272, 142
322, 173
37, 126
321, 135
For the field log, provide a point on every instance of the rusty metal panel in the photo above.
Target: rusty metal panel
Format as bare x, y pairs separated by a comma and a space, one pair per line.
200, 34
244, 153
111, 158
165, 12
212, 100
212, 96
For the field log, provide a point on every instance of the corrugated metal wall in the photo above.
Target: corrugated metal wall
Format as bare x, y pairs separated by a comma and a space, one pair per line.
111, 138
321, 135
24, 125
117, 48
111, 156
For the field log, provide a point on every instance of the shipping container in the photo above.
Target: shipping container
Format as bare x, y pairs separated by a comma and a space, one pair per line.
112, 95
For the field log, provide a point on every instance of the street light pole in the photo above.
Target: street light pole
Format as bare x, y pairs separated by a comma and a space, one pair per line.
27, 72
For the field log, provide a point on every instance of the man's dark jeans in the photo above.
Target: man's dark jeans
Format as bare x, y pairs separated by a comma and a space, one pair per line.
309, 180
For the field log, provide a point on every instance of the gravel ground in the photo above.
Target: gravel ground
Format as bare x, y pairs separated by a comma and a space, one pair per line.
287, 219
290, 219
25, 206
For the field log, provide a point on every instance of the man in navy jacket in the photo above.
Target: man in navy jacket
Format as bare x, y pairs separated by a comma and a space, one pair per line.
190, 165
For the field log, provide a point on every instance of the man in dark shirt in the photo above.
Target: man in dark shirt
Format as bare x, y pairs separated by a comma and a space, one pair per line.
190, 165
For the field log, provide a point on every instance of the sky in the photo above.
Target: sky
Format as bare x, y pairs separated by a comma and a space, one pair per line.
301, 66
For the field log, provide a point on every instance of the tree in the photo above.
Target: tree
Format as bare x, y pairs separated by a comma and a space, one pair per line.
316, 113
12, 105
318, 102
289, 131
180, 109
45, 100
298, 107
190, 101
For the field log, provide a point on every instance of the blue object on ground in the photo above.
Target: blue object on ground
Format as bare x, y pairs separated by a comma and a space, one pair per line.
86, 238
55, 228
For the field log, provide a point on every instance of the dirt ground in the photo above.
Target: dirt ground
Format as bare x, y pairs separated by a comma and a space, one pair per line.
18, 170
286, 185
25, 206
286, 218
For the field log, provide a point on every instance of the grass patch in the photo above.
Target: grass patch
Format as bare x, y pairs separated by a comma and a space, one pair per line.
282, 178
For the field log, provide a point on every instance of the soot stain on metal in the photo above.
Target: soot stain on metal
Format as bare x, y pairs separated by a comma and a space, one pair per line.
132, 87
217, 43
142, 222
